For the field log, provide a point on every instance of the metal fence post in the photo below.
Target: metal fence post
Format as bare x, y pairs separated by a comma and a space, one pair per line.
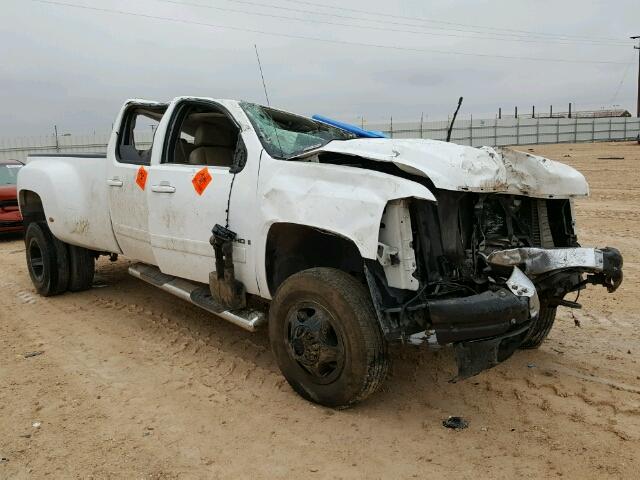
593, 130
575, 132
609, 128
558, 131
471, 131
495, 133
625, 128
517, 131
538, 130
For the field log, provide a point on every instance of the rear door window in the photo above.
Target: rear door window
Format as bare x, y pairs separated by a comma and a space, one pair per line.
138, 129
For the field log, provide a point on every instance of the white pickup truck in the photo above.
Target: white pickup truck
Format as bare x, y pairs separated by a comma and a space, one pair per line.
341, 244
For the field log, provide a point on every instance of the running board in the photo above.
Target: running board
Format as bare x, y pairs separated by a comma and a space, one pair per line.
198, 294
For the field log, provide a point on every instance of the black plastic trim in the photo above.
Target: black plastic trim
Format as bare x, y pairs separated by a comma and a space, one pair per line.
484, 315
475, 356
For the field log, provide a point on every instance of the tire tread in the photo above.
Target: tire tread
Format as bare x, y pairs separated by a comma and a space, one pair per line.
540, 329
357, 297
82, 266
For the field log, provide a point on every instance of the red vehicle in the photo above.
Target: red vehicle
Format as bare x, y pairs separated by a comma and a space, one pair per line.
10, 218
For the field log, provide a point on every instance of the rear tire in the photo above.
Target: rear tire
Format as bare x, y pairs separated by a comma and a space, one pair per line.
326, 339
46, 260
62, 258
540, 328
82, 266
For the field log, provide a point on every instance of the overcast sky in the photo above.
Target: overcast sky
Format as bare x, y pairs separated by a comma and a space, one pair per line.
74, 67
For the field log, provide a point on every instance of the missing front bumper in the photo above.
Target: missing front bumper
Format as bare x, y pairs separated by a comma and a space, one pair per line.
554, 272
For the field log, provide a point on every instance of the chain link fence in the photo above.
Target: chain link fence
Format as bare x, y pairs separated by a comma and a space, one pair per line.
517, 131
492, 132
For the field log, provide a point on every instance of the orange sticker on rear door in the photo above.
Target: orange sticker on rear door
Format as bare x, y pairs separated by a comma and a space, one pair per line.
201, 180
141, 177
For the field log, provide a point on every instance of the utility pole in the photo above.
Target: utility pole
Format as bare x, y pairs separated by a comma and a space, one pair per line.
637, 37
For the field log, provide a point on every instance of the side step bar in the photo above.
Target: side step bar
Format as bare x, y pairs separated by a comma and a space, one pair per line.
198, 294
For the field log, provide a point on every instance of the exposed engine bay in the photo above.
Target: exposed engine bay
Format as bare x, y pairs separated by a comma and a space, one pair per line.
486, 266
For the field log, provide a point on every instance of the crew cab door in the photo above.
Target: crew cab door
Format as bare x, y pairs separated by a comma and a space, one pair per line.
128, 161
191, 187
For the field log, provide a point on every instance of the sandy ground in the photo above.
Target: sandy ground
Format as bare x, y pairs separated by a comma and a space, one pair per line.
134, 383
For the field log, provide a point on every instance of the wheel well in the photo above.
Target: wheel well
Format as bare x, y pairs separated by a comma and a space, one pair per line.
292, 248
31, 207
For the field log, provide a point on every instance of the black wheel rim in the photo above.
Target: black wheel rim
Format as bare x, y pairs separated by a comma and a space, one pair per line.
36, 262
314, 342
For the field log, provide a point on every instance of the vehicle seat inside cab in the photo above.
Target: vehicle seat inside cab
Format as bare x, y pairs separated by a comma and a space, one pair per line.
214, 145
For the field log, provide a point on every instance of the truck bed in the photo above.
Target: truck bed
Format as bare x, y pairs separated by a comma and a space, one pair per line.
73, 192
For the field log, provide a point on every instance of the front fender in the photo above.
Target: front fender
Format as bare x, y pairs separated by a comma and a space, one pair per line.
343, 200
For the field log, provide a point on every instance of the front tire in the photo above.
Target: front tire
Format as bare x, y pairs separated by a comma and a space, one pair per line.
326, 339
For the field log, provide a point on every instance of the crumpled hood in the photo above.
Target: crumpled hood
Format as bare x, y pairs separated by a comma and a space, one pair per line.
456, 167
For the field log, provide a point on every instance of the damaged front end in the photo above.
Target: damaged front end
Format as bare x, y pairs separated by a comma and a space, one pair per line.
481, 271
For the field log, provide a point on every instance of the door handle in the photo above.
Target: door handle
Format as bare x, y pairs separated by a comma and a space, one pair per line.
163, 188
114, 182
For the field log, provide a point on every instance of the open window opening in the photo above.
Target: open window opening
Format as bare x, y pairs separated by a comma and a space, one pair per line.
138, 130
203, 135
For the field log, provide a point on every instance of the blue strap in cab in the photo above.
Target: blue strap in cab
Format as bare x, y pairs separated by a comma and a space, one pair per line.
349, 128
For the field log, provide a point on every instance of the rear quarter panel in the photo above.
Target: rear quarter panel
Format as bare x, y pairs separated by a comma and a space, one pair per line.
74, 196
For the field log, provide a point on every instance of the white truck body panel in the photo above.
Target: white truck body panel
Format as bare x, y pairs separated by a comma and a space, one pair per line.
457, 167
74, 198
180, 223
342, 200
128, 205
395, 229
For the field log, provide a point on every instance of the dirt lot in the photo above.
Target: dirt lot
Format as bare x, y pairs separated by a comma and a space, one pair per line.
133, 383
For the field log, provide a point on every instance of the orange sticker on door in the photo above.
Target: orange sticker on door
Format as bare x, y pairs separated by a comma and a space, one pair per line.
141, 177
201, 180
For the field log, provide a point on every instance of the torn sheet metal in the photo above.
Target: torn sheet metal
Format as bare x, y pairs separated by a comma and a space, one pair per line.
521, 286
456, 167
537, 261
333, 198
395, 230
